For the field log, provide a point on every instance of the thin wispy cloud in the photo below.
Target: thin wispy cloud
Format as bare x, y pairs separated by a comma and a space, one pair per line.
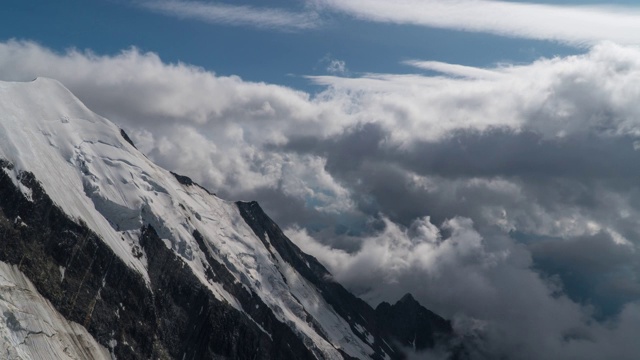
239, 15
454, 69
582, 25
576, 25
334, 66
338, 67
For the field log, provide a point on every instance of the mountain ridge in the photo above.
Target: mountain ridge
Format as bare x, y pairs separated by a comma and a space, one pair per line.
153, 264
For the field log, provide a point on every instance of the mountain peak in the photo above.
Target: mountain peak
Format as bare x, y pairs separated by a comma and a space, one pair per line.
126, 137
102, 230
413, 325
408, 299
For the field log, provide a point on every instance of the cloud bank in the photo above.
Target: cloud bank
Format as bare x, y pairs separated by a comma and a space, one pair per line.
578, 25
508, 203
237, 15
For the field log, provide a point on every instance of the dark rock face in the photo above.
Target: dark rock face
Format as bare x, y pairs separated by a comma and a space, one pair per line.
343, 302
412, 325
176, 317
194, 324
400, 324
285, 344
185, 180
126, 138
97, 289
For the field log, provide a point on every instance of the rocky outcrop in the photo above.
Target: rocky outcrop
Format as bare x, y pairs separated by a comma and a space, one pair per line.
413, 325
75, 270
31, 328
394, 328
173, 317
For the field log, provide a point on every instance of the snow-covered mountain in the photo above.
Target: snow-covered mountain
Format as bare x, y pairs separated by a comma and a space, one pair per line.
106, 254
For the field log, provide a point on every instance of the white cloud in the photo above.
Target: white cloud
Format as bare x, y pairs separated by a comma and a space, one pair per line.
222, 123
551, 96
337, 67
453, 69
484, 284
334, 66
579, 24
242, 15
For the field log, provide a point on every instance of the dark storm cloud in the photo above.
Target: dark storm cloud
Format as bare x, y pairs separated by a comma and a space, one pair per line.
594, 269
555, 172
490, 153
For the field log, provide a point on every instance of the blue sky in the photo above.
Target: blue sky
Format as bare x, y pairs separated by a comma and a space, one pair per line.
480, 154
280, 56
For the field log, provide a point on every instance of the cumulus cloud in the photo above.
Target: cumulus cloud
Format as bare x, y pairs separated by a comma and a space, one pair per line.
507, 202
581, 25
578, 25
553, 97
239, 15
334, 66
485, 284
337, 67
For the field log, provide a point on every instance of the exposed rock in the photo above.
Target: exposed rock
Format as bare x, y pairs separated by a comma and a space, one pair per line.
126, 137
412, 324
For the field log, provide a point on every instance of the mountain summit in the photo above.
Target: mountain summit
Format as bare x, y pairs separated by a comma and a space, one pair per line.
107, 255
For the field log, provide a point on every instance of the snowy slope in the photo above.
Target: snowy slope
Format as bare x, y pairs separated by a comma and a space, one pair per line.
31, 329
96, 177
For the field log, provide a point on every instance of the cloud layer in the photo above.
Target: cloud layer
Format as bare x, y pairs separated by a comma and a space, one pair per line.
237, 15
578, 25
506, 198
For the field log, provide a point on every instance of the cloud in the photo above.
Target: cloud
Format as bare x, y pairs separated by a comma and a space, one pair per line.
508, 203
595, 265
337, 67
453, 69
238, 15
577, 25
552, 97
333, 66
484, 284
223, 123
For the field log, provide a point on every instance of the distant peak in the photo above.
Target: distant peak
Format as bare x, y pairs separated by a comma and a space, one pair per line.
43, 79
407, 298
185, 180
40, 84
127, 138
